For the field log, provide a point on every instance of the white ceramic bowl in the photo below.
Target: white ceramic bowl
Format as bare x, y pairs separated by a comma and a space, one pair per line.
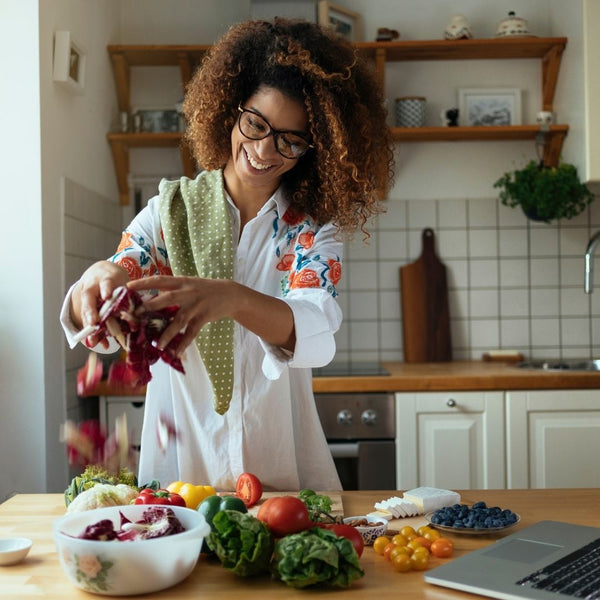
13, 550
124, 568
369, 534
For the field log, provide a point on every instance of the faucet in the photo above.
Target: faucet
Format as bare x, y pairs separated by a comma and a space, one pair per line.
588, 283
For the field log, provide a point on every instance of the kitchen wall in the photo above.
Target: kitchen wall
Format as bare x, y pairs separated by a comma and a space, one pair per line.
55, 145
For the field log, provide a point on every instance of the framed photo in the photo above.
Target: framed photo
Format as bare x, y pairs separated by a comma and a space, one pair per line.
156, 120
69, 61
499, 106
344, 22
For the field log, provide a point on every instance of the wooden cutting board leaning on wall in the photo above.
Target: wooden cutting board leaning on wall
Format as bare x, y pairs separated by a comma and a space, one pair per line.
425, 313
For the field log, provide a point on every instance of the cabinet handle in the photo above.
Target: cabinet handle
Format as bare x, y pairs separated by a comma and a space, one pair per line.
451, 403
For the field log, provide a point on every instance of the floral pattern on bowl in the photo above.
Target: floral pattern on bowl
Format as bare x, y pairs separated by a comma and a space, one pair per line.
89, 570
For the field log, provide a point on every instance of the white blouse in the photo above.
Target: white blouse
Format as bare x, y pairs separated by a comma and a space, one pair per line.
272, 428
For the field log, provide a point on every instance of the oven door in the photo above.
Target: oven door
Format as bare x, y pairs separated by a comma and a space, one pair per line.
365, 464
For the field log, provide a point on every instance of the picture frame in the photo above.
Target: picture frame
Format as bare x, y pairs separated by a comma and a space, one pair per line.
156, 119
489, 107
69, 63
343, 21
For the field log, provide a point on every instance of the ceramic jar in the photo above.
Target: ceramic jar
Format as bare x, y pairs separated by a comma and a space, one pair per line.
512, 26
410, 111
458, 28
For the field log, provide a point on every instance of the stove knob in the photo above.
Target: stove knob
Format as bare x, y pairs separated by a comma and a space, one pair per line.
344, 417
369, 417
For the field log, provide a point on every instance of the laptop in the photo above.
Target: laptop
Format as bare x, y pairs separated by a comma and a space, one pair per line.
541, 561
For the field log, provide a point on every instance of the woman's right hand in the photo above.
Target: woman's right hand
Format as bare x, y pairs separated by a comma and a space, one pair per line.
96, 285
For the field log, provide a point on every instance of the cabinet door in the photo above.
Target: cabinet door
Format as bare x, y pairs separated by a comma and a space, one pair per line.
112, 407
553, 439
451, 440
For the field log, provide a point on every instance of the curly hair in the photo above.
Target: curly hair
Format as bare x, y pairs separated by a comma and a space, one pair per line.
338, 180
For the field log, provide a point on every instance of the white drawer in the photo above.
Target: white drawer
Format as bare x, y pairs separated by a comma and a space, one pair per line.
112, 407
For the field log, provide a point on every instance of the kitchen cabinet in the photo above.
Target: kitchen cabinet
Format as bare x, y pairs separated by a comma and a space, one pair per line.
113, 407
450, 440
553, 439
591, 79
187, 58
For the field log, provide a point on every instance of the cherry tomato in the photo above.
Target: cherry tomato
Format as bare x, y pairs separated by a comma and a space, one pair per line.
442, 547
402, 563
388, 549
249, 488
284, 515
350, 533
408, 532
432, 535
420, 561
380, 543
422, 541
400, 540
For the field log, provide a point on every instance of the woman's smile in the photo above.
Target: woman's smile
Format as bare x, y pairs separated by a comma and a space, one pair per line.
256, 163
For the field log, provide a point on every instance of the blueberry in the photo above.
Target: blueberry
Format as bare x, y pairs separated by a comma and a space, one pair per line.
479, 505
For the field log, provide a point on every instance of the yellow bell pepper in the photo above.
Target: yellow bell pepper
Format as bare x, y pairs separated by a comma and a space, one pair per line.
192, 494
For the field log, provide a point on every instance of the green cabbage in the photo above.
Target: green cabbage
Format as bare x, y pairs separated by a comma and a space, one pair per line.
316, 557
242, 543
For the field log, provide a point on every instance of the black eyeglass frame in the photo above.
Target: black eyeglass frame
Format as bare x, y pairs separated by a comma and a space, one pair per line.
272, 131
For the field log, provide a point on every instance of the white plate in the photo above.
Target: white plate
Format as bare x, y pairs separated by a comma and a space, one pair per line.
469, 530
13, 550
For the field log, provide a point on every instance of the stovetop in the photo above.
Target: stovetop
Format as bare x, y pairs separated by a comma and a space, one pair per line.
350, 369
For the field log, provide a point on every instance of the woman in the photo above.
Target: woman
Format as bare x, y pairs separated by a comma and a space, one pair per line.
290, 128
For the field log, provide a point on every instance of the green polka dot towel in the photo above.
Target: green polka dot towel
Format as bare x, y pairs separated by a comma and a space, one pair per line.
197, 230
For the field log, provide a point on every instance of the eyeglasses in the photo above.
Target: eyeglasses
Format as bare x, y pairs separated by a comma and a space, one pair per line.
290, 144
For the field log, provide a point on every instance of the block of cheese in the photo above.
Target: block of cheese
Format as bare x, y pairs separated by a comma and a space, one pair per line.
398, 507
380, 514
429, 498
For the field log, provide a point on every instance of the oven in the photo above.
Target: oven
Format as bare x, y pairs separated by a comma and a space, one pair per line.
360, 429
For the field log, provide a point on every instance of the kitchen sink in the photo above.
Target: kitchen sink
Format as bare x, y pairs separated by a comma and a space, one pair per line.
562, 365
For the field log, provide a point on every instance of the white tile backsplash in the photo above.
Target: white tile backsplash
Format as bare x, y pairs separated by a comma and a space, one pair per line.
512, 283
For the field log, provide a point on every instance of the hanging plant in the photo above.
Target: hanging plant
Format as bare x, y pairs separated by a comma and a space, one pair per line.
545, 193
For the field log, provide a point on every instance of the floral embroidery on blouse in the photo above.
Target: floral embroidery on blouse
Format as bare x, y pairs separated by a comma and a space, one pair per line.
140, 258
303, 269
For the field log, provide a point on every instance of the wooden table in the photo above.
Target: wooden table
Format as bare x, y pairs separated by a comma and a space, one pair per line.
40, 575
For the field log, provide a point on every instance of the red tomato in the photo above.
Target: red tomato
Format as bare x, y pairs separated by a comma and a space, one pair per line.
284, 515
249, 488
265, 508
349, 532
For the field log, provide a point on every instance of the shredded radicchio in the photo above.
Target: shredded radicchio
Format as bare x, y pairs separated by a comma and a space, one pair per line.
138, 334
156, 521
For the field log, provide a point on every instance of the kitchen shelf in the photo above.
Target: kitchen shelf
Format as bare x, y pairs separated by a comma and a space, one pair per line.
552, 140
123, 58
120, 144
548, 50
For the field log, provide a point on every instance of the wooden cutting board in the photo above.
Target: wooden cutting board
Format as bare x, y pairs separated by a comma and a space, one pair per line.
425, 313
337, 509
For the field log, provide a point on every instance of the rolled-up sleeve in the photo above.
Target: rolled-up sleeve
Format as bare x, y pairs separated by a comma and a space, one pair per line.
317, 316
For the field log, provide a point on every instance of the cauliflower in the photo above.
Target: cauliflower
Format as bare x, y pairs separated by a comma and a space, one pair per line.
101, 495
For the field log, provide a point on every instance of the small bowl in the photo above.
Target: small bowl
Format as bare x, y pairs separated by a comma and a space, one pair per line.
125, 568
369, 533
13, 550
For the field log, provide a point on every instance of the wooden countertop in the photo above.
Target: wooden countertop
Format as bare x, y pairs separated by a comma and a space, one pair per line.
40, 575
457, 376
429, 377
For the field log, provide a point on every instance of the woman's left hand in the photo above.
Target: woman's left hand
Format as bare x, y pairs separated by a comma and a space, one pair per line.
200, 301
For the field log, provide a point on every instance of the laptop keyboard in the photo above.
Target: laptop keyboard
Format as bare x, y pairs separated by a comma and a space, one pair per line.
576, 575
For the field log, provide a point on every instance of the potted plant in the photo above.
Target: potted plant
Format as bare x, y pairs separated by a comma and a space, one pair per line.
545, 193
